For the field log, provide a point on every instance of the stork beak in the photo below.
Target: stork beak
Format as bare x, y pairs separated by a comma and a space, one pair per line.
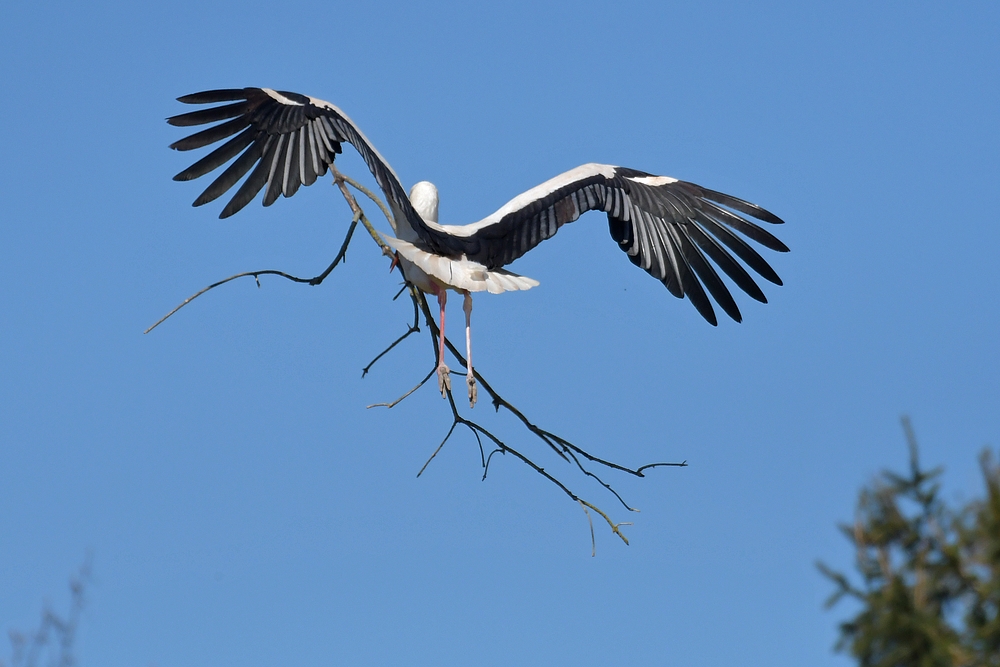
395, 261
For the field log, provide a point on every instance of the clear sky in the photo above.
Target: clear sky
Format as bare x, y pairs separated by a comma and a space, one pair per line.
244, 508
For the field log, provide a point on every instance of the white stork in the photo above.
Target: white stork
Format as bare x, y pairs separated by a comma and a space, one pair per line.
669, 228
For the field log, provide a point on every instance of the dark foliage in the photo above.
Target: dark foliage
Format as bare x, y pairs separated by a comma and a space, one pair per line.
930, 573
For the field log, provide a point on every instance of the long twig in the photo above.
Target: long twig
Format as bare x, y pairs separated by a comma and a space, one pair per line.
316, 280
565, 449
341, 182
414, 328
399, 400
561, 446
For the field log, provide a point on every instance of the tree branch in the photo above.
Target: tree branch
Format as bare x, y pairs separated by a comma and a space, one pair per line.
566, 450
270, 272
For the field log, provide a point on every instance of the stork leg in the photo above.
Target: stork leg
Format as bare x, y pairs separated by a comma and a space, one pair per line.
470, 379
444, 375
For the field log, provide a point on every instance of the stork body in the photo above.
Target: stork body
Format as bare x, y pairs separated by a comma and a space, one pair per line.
446, 273
669, 228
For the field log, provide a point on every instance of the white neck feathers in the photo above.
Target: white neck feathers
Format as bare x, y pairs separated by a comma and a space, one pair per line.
424, 197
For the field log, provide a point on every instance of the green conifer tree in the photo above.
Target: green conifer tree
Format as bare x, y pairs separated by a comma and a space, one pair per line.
929, 585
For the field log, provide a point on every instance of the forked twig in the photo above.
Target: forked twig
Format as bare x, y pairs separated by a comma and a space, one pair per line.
415, 327
270, 272
568, 451
399, 400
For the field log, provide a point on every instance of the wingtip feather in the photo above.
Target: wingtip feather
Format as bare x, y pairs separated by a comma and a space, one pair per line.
213, 96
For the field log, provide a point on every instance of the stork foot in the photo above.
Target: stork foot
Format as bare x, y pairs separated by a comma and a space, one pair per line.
473, 390
444, 380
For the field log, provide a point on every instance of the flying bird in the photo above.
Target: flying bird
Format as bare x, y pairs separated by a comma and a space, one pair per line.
667, 227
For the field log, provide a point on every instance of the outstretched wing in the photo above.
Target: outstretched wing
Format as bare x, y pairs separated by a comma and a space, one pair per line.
669, 228
288, 139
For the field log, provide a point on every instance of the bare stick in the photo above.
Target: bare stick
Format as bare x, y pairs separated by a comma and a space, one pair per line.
399, 400
593, 542
415, 327
270, 272
368, 193
411, 330
340, 181
448, 435
565, 449
568, 451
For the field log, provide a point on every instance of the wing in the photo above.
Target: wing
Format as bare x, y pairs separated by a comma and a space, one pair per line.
669, 228
287, 139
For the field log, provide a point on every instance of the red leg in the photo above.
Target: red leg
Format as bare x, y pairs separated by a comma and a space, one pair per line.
442, 296
444, 375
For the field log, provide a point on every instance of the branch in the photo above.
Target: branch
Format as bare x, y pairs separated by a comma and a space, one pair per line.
415, 327
399, 400
566, 450
339, 180
270, 272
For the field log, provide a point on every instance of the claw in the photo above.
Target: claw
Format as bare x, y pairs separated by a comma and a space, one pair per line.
473, 390
444, 380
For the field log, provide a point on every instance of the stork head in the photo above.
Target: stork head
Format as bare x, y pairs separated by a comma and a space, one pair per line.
424, 197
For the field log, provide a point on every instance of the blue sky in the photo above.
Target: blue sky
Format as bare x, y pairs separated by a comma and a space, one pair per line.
244, 508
